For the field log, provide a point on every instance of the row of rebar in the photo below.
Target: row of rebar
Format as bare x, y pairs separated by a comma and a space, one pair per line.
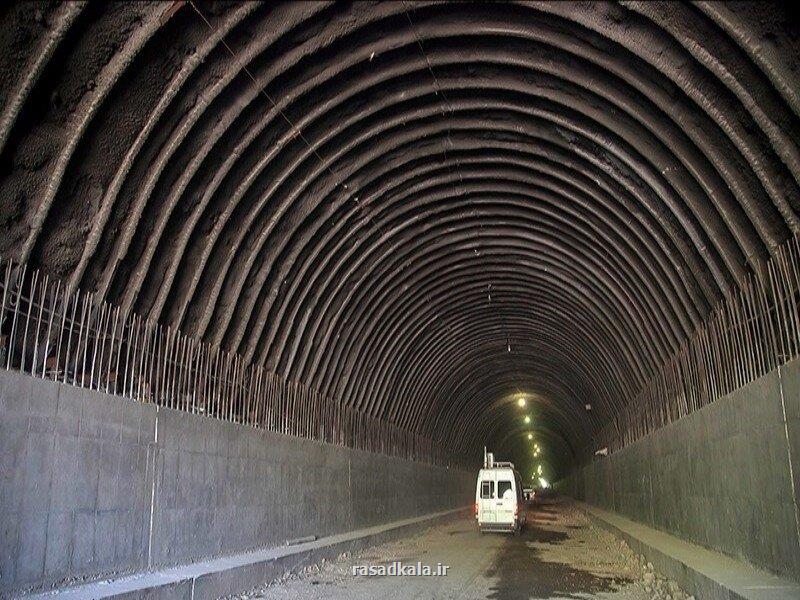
754, 331
71, 338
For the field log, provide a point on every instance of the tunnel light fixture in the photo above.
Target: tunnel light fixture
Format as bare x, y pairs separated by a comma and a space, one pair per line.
539, 469
527, 419
521, 402
530, 436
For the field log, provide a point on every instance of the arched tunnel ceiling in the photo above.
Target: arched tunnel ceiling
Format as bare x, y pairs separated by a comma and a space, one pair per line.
422, 209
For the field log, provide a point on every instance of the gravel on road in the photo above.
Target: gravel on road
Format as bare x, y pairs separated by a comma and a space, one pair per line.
559, 555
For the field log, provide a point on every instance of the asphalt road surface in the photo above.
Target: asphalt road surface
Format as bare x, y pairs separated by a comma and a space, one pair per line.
559, 555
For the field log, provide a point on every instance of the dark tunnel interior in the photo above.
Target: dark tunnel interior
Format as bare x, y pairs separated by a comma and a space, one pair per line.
426, 210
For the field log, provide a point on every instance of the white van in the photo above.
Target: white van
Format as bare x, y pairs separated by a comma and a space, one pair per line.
499, 504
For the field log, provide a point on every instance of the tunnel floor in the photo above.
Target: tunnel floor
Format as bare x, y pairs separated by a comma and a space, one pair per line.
560, 555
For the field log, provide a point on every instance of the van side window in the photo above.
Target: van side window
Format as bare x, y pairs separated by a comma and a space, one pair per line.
487, 489
502, 488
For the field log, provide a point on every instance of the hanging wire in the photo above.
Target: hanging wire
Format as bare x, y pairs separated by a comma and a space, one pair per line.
447, 108
295, 129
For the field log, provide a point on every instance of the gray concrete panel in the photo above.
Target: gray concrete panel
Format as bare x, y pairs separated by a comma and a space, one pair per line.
720, 477
81, 474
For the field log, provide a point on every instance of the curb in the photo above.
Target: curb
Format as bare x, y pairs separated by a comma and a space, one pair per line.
241, 572
706, 574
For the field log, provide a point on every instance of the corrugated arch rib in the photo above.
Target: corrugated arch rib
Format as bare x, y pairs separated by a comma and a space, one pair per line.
378, 199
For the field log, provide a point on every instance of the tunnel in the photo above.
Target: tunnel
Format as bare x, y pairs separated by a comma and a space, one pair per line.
278, 272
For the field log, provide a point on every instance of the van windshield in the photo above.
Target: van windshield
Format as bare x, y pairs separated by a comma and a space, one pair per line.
502, 488
487, 489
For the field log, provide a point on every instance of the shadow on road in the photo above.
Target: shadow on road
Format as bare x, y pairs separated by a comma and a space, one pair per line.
522, 571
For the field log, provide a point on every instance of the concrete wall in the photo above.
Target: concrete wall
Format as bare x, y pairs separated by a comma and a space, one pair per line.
726, 477
91, 484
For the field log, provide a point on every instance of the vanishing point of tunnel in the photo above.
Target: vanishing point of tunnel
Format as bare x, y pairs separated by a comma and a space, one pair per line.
279, 271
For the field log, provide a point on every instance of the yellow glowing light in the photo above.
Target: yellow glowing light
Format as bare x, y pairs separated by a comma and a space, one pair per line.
521, 402
539, 469
530, 436
527, 419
